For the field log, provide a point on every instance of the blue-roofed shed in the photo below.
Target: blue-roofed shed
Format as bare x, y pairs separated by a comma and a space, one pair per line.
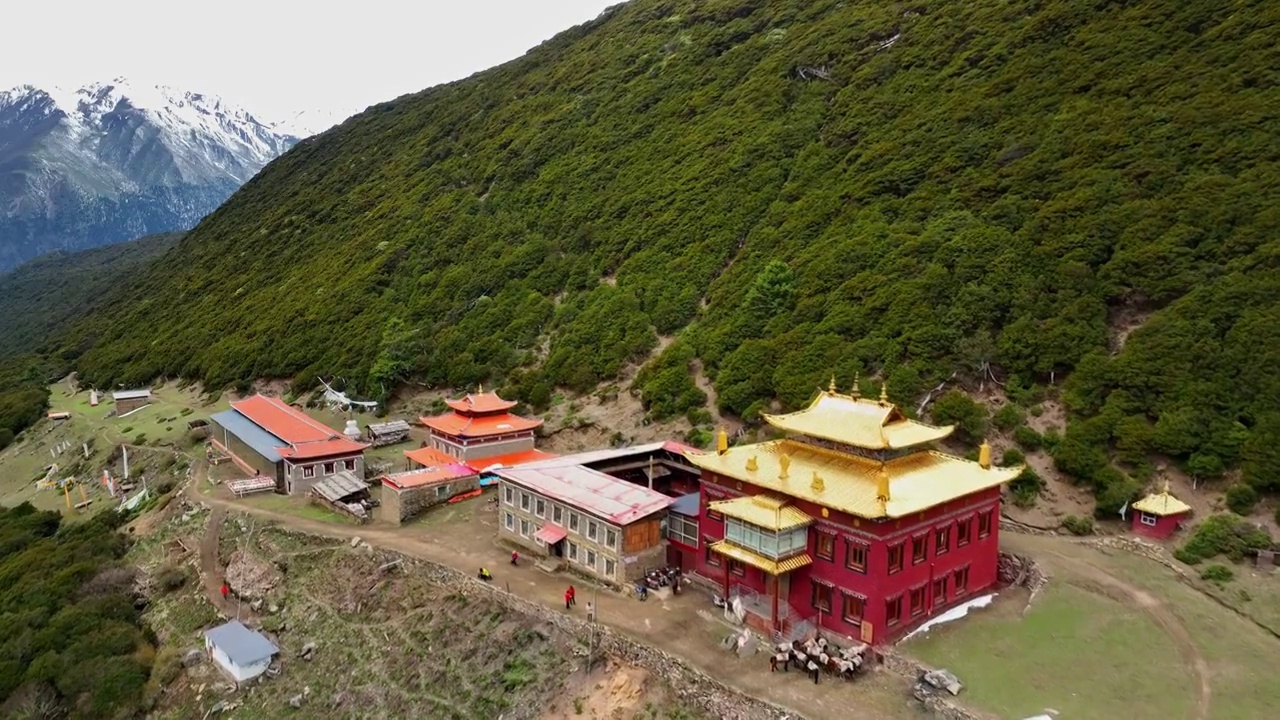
258, 440
242, 653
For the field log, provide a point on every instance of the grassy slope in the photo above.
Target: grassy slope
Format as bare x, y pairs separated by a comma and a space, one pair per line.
987, 187
42, 296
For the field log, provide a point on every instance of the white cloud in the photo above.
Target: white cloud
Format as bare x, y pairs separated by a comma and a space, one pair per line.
277, 56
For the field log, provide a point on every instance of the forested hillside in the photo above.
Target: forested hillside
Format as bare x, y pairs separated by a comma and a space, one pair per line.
40, 298
908, 189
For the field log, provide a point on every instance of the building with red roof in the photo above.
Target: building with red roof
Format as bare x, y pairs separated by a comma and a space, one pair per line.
406, 495
480, 430
266, 436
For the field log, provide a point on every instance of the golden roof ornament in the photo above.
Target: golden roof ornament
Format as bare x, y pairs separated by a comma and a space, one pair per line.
751, 464
984, 455
479, 388
817, 485
785, 463
882, 485
832, 387
884, 393
1166, 486
722, 442
856, 391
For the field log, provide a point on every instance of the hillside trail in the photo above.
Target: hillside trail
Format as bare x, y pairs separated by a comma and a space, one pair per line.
1161, 614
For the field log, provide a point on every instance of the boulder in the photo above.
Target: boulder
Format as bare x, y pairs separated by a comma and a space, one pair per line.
355, 541
307, 650
192, 657
295, 702
944, 680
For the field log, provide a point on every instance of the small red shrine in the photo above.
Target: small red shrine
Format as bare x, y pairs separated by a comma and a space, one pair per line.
1159, 515
481, 431
851, 523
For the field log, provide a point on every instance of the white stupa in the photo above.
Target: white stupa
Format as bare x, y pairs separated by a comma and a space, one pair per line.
353, 430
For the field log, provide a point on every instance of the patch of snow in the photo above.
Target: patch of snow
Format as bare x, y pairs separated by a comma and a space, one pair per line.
889, 43
954, 613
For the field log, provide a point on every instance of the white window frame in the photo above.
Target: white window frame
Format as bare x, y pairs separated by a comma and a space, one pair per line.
557, 515
573, 522
573, 550
593, 530
610, 537
510, 495
329, 468
442, 492
524, 528
610, 567
308, 471
590, 558
525, 501
540, 507
1147, 519
349, 464
510, 521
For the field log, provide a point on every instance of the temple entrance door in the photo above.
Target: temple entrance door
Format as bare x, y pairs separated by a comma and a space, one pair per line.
782, 585
556, 549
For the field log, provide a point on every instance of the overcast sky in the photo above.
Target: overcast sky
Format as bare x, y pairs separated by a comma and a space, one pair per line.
276, 56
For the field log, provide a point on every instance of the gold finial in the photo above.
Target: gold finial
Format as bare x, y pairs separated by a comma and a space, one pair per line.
884, 393
722, 442
1166, 486
984, 455
784, 462
856, 392
832, 387
818, 485
882, 485
479, 388
751, 464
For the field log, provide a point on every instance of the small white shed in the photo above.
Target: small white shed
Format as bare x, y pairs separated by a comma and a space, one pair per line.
242, 653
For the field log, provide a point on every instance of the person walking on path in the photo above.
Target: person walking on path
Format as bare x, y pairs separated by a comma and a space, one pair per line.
591, 612
225, 590
573, 596
568, 599
515, 557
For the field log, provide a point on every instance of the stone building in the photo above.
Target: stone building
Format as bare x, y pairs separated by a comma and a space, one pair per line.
595, 523
126, 401
406, 495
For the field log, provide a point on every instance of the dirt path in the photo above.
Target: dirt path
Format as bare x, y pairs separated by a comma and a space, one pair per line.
210, 564
1163, 617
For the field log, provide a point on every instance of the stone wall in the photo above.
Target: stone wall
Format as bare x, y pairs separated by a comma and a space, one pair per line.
399, 506
1022, 571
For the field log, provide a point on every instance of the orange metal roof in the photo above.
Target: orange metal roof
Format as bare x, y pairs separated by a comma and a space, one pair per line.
427, 476
306, 437
510, 459
462, 426
481, 403
427, 456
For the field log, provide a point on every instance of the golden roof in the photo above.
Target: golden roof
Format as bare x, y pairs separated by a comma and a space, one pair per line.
857, 421
1161, 504
766, 511
773, 567
915, 482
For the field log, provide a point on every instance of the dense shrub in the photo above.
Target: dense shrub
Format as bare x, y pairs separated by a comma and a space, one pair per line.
957, 408
666, 385
1028, 438
1026, 488
1012, 456
1241, 499
171, 577
1217, 573
1222, 534
1008, 417
1078, 525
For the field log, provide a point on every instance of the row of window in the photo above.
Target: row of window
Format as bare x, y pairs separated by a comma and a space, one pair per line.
309, 471
595, 531
683, 530
583, 556
854, 607
856, 553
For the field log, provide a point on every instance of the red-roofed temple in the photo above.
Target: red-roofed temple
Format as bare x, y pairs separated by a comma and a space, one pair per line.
481, 431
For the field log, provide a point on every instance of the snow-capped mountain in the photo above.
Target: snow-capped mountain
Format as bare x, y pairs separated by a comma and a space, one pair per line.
113, 161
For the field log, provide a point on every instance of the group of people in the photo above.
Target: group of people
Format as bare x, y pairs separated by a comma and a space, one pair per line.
571, 601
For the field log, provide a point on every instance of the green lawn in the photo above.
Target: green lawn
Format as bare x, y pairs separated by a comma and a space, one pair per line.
1078, 652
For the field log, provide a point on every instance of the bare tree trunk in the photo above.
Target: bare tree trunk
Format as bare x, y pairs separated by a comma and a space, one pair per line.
929, 397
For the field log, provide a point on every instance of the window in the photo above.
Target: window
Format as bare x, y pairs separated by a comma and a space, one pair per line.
917, 602
349, 465
855, 556
942, 541
984, 524
592, 529
1147, 519
510, 496
824, 546
509, 520
442, 492
573, 521
821, 597
573, 551
737, 568
767, 542
854, 607
919, 549
610, 538
540, 507
524, 501
308, 471
895, 558
524, 527
591, 559
893, 611
713, 558
962, 581
940, 590
608, 568
683, 530
557, 514
964, 529
328, 468
713, 515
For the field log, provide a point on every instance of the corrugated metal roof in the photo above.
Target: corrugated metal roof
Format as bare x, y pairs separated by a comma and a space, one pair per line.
339, 485
284, 421
595, 456
860, 422
773, 567
759, 511
617, 501
687, 505
389, 428
917, 482
431, 475
1162, 504
262, 442
514, 459
130, 394
242, 645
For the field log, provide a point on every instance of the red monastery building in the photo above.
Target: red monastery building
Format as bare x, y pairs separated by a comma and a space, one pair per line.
849, 523
480, 431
